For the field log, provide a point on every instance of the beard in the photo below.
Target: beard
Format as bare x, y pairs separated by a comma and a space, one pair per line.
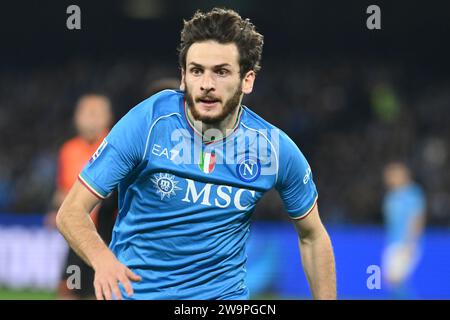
228, 107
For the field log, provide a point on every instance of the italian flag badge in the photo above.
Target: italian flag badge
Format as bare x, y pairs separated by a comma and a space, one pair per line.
207, 161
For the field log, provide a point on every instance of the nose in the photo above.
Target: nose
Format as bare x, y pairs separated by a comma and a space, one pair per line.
207, 83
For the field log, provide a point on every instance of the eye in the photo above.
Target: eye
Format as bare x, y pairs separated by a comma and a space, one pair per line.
196, 71
222, 72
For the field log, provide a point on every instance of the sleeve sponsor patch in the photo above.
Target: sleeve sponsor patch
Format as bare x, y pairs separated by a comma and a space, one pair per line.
99, 151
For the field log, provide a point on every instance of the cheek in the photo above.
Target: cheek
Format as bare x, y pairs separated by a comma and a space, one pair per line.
230, 89
83, 119
190, 85
102, 123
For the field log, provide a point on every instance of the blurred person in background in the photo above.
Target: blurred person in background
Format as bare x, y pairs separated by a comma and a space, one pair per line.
92, 119
404, 207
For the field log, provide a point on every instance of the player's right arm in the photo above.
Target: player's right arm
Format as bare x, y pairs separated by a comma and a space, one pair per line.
119, 154
75, 224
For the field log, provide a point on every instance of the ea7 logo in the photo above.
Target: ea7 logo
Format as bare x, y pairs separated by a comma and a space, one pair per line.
159, 151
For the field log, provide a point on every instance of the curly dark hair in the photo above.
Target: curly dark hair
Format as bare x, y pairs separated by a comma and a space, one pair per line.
223, 26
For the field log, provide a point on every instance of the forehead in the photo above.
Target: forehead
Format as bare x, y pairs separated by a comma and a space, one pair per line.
92, 103
396, 169
212, 53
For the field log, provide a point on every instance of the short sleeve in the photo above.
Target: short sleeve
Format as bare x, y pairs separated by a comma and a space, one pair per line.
295, 180
121, 151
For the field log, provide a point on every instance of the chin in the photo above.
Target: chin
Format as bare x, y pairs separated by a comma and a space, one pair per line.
210, 115
207, 119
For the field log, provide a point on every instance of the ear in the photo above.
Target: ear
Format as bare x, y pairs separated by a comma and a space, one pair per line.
248, 81
182, 86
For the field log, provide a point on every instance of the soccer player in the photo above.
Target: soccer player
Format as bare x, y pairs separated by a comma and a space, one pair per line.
404, 208
190, 166
92, 120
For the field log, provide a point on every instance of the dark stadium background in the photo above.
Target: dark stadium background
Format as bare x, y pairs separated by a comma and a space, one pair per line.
350, 97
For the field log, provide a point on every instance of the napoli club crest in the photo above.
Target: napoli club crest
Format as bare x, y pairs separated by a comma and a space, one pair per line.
248, 169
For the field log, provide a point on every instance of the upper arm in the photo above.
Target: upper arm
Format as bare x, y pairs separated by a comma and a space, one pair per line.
121, 151
418, 221
295, 180
310, 225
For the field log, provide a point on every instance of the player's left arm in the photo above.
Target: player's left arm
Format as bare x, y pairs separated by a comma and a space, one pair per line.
298, 191
416, 224
416, 228
317, 255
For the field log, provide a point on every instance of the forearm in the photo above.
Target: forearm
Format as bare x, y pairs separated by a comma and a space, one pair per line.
80, 232
318, 262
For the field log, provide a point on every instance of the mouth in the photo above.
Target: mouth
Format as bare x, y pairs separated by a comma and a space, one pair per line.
208, 102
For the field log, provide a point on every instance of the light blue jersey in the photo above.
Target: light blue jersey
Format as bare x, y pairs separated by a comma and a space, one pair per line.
185, 205
400, 207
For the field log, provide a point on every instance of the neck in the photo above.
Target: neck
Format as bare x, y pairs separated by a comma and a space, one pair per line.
91, 139
401, 185
207, 130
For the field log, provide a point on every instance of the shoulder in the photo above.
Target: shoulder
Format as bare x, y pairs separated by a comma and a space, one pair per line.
71, 145
161, 104
417, 190
254, 122
278, 138
251, 120
132, 131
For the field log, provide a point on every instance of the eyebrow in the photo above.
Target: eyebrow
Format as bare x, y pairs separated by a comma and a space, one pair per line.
215, 67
